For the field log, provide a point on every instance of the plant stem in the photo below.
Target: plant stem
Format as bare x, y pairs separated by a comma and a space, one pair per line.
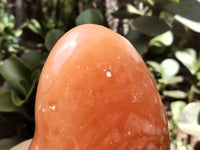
191, 94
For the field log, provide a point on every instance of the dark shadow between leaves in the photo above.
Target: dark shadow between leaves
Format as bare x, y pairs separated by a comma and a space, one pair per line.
197, 145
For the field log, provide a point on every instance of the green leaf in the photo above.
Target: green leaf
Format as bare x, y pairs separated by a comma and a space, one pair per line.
11, 102
127, 11
32, 58
175, 94
17, 74
150, 2
26, 105
187, 57
154, 65
198, 75
35, 26
185, 8
176, 79
138, 40
164, 39
18, 32
50, 23
4, 1
52, 37
29, 102
9, 22
176, 108
35, 74
169, 68
189, 119
6, 104
93, 16
167, 17
177, 1
195, 26
150, 25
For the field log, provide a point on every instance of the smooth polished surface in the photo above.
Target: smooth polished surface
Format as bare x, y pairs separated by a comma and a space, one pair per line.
96, 93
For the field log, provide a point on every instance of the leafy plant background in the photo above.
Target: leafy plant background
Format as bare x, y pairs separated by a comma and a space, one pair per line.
166, 33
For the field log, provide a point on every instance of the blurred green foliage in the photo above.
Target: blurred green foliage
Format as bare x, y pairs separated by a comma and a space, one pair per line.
166, 33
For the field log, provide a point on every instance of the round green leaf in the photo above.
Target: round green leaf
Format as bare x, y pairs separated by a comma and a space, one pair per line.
150, 25
164, 39
32, 58
154, 65
169, 68
187, 57
186, 8
93, 16
139, 40
9, 21
35, 26
189, 119
127, 11
195, 26
17, 74
176, 108
52, 37
18, 32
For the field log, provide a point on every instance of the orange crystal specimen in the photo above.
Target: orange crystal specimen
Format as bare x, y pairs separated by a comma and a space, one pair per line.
96, 93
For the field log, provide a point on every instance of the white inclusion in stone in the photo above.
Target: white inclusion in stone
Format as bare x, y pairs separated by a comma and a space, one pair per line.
129, 132
43, 110
37, 147
44, 76
118, 57
108, 74
134, 99
90, 92
53, 107
39, 107
78, 67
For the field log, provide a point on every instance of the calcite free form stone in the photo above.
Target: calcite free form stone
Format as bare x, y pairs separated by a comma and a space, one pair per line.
96, 93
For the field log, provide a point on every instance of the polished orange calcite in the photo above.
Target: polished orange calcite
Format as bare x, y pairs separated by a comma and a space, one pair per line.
96, 93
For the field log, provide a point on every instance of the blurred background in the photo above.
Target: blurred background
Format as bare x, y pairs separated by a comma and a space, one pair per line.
166, 33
